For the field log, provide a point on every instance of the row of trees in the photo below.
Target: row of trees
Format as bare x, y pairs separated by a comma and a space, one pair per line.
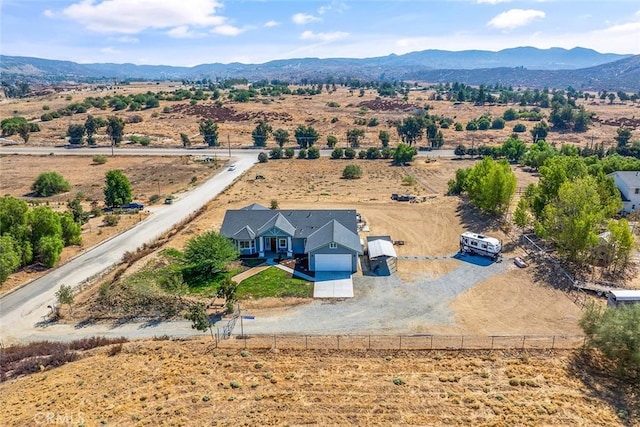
20, 126
402, 154
114, 129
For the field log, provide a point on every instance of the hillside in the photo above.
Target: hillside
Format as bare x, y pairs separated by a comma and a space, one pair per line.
181, 383
518, 66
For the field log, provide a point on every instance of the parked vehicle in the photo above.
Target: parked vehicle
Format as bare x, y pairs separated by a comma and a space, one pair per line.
133, 205
519, 262
480, 244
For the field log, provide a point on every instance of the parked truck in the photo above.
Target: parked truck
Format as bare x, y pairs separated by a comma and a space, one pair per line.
480, 244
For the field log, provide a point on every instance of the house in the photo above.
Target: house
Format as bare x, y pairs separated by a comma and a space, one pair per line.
628, 182
382, 255
328, 237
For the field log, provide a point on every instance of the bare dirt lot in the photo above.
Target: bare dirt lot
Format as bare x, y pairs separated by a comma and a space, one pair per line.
237, 119
176, 383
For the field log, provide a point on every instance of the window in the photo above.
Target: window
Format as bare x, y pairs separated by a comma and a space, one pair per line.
333, 245
637, 190
282, 243
474, 243
484, 246
245, 244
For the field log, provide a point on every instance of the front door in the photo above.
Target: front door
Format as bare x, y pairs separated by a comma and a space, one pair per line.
271, 244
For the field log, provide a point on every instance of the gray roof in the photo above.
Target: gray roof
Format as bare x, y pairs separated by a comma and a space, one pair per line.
631, 178
333, 231
245, 233
304, 222
278, 221
255, 207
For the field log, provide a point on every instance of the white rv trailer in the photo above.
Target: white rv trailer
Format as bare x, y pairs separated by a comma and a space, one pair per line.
619, 297
480, 245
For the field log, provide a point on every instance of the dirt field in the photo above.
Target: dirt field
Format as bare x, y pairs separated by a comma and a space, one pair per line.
149, 176
237, 120
176, 383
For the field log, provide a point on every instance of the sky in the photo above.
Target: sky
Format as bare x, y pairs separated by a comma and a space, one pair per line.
191, 32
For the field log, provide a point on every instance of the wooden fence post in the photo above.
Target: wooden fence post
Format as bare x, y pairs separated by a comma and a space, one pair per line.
306, 342
338, 336
523, 338
553, 342
369, 342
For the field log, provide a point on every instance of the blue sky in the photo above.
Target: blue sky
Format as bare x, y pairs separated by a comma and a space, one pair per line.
190, 32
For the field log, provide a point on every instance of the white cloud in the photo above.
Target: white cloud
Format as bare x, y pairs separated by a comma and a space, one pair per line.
49, 13
304, 18
515, 18
270, 24
134, 16
325, 37
182, 32
335, 5
125, 39
227, 30
109, 50
492, 1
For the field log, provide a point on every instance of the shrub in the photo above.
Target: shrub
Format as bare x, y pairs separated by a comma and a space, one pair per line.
352, 172
498, 123
111, 220
302, 154
289, 152
362, 154
313, 153
276, 153
46, 107
262, 157
332, 140
334, 119
519, 128
50, 183
337, 153
372, 122
398, 381
333, 104
349, 153
458, 127
409, 180
99, 159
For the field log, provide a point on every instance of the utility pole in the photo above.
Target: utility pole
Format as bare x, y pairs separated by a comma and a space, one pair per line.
229, 143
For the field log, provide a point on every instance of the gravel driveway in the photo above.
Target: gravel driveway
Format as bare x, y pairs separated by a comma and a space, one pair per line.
380, 305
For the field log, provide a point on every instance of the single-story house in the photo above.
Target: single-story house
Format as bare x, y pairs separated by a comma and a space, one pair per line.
628, 182
328, 237
382, 255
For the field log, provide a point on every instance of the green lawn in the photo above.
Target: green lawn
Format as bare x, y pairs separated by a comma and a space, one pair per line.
274, 282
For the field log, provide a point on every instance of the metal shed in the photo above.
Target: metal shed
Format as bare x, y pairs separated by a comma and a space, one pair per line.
382, 255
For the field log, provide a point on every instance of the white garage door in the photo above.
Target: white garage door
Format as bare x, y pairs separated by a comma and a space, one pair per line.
331, 262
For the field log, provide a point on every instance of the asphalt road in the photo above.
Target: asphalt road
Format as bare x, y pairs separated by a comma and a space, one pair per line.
23, 308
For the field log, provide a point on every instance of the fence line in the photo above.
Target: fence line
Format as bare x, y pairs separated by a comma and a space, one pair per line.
405, 342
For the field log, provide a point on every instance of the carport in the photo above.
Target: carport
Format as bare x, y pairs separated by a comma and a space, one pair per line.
382, 255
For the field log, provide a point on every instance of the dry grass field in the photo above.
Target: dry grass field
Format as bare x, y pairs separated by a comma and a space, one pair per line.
177, 383
237, 120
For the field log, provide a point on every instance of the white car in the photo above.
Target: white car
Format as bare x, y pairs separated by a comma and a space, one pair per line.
519, 262
232, 167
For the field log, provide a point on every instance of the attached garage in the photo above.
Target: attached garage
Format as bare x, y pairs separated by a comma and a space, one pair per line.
333, 262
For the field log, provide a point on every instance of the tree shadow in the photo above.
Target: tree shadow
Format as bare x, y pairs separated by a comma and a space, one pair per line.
622, 393
473, 219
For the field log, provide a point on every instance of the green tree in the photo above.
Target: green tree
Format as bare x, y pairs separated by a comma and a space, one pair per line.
313, 153
49, 249
50, 183
337, 153
332, 140
289, 152
12, 125
519, 128
403, 154
538, 153
352, 172
117, 189
384, 138
460, 150
276, 153
76, 134
498, 123
306, 136
24, 131
513, 149
9, 257
64, 295
491, 186
281, 136
623, 136
77, 212
354, 136
71, 230
261, 133
510, 114
262, 157
210, 253
616, 333
622, 244
540, 131
209, 131
91, 126
458, 185
186, 142
115, 129
44, 222
197, 315
521, 217
410, 129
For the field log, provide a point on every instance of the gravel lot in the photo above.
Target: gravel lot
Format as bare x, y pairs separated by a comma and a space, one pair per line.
380, 305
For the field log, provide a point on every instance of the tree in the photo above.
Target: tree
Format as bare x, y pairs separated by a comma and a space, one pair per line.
410, 129
621, 243
49, 249
306, 136
538, 153
623, 136
313, 153
77, 212
513, 149
186, 142
261, 134
50, 183
384, 138
274, 204
275, 153
460, 150
281, 136
519, 128
498, 123
76, 134
352, 172
210, 253
354, 136
71, 230
289, 152
540, 131
12, 125
197, 315
262, 157
115, 129
616, 333
349, 153
491, 186
458, 185
332, 140
209, 131
64, 295
510, 115
91, 126
337, 153
24, 131
404, 154
117, 190
521, 217
9, 256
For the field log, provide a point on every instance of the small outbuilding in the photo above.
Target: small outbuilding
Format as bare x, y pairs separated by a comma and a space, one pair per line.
382, 255
619, 297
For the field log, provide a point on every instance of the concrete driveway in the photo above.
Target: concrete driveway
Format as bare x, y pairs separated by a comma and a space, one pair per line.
333, 284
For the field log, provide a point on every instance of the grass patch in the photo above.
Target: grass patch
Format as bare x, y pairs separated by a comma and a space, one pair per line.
274, 282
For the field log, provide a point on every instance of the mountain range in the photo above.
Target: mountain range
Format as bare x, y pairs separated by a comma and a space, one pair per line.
522, 66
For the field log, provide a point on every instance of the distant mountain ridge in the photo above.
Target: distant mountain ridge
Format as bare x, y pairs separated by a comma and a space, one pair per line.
517, 66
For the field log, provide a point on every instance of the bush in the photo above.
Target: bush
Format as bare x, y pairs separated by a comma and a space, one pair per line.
313, 153
275, 153
111, 220
50, 183
99, 159
262, 157
519, 128
498, 123
333, 104
352, 172
349, 153
302, 154
337, 153
289, 152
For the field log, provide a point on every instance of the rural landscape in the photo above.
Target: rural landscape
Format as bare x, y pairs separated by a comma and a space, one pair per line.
431, 238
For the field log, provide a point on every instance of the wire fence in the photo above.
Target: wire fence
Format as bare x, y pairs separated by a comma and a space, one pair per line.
404, 342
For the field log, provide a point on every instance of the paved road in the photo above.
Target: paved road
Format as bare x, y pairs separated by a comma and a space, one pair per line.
22, 309
130, 151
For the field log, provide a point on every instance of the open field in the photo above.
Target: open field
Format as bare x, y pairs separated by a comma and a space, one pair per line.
176, 383
149, 176
237, 120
